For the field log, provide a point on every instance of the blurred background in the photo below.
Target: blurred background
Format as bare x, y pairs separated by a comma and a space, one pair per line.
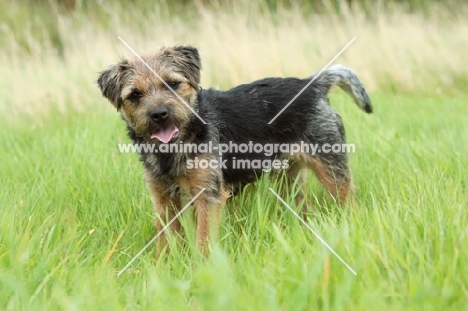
52, 51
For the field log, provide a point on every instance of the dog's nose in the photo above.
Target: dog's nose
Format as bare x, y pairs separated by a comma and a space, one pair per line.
159, 115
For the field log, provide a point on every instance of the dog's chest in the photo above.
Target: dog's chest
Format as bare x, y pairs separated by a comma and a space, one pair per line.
170, 165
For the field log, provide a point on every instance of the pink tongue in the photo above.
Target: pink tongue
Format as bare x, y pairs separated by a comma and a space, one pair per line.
165, 134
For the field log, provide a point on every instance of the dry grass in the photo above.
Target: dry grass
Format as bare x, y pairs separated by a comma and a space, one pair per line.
393, 52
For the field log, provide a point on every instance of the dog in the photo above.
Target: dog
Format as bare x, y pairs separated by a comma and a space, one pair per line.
159, 98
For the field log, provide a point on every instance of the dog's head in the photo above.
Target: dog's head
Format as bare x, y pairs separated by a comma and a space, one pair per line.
153, 96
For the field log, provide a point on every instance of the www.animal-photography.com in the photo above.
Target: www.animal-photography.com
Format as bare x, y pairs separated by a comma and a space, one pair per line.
234, 155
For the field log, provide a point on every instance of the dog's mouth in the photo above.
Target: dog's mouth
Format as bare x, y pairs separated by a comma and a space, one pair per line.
166, 134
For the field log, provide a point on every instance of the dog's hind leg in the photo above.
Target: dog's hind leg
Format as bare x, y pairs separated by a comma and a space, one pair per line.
334, 174
297, 180
329, 158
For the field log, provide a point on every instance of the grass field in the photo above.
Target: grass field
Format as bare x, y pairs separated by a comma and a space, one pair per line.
74, 210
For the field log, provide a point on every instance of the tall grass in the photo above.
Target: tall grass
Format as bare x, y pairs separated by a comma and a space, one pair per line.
74, 211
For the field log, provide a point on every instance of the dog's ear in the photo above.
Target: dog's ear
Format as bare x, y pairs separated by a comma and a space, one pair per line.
112, 80
188, 59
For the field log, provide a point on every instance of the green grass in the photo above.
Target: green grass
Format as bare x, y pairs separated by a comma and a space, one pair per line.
74, 211
67, 194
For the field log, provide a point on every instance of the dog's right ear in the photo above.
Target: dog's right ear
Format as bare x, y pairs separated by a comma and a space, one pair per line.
112, 80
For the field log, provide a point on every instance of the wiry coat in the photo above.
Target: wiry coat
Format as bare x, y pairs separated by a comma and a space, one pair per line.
158, 98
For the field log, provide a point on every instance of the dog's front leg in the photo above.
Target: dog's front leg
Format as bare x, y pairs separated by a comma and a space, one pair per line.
166, 205
208, 205
208, 212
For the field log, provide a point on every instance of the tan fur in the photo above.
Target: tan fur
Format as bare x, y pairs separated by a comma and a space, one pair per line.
165, 209
208, 210
338, 188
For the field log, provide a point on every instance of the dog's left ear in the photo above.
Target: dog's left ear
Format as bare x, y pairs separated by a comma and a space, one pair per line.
187, 58
111, 82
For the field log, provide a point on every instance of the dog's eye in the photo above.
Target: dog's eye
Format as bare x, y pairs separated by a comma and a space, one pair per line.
174, 84
135, 96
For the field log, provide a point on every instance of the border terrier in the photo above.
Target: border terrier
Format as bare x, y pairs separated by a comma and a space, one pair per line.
157, 100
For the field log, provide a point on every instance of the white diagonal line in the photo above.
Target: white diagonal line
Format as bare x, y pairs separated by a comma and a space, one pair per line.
160, 232
162, 80
312, 80
315, 233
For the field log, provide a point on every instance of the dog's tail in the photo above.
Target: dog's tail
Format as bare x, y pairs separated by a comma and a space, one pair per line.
347, 80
